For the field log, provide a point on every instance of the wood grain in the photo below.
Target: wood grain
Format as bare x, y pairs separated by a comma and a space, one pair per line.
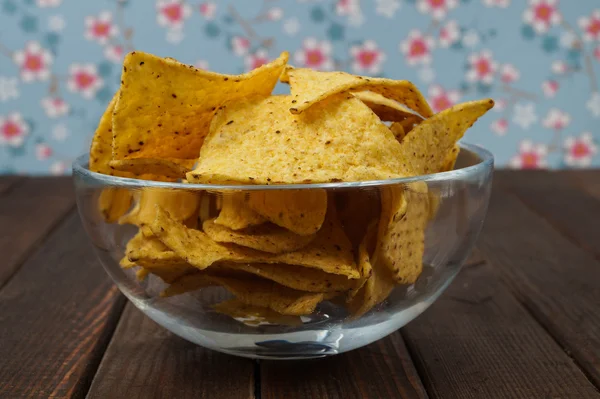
477, 341
589, 180
383, 369
556, 280
144, 360
559, 199
56, 316
7, 182
27, 214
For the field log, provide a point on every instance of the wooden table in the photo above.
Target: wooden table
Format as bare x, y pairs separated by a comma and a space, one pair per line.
522, 320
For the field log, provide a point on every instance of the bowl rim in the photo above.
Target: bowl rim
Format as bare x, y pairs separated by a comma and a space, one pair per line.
80, 168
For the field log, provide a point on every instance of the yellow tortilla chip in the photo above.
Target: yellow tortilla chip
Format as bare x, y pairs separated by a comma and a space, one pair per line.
300, 211
149, 251
357, 209
268, 294
374, 291
398, 131
308, 87
125, 263
180, 204
426, 147
298, 277
364, 259
164, 107
266, 237
401, 242
450, 159
255, 315
330, 251
141, 274
262, 143
405, 126
188, 283
385, 108
113, 203
172, 169
236, 213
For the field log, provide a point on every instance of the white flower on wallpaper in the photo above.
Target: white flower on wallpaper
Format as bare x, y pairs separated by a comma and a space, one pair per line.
387, 8
499, 105
593, 104
590, 26
568, 39
440, 98
314, 54
208, 10
436, 8
350, 9
470, 39
550, 87
482, 67
202, 64
542, 15
56, 23
579, 151
60, 132
530, 156
275, 14
291, 26
240, 45
33, 61
497, 3
499, 126
417, 48
524, 115
48, 3
9, 88
256, 59
58, 168
13, 129
43, 151
100, 28
367, 58
55, 107
449, 34
556, 119
114, 53
84, 79
172, 13
426, 74
175, 35
509, 73
559, 67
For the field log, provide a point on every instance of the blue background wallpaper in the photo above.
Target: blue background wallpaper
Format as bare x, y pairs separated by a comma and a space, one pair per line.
539, 59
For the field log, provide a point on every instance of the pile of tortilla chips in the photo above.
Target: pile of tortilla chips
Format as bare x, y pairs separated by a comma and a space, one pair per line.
280, 252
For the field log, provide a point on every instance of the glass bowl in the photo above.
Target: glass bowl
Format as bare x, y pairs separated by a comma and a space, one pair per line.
456, 203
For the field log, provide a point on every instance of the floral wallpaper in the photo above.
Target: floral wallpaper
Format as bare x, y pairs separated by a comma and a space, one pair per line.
539, 59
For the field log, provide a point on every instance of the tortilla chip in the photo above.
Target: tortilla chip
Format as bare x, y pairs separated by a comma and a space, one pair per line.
357, 209
113, 203
165, 107
385, 108
149, 251
374, 291
255, 315
330, 251
309, 86
300, 211
180, 204
236, 213
268, 294
125, 263
266, 237
451, 158
425, 148
398, 131
401, 241
407, 124
262, 143
297, 277
188, 283
141, 274
169, 168
365, 248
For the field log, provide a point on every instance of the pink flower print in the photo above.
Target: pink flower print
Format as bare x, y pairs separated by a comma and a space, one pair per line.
417, 48
43, 151
436, 8
579, 151
542, 15
368, 58
590, 26
256, 59
55, 107
440, 99
509, 73
172, 13
13, 129
100, 28
240, 45
530, 156
315, 54
482, 67
84, 79
208, 10
499, 126
33, 61
449, 34
556, 119
550, 87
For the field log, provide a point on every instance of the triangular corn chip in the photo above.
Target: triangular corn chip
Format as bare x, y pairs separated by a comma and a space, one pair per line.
236, 213
165, 107
385, 108
309, 87
262, 143
180, 204
255, 315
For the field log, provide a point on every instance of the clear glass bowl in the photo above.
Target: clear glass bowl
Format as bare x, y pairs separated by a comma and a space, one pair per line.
461, 197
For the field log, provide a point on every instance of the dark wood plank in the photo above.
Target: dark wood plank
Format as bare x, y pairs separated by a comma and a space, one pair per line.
8, 181
559, 199
477, 341
56, 317
588, 179
383, 369
27, 213
144, 360
556, 280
